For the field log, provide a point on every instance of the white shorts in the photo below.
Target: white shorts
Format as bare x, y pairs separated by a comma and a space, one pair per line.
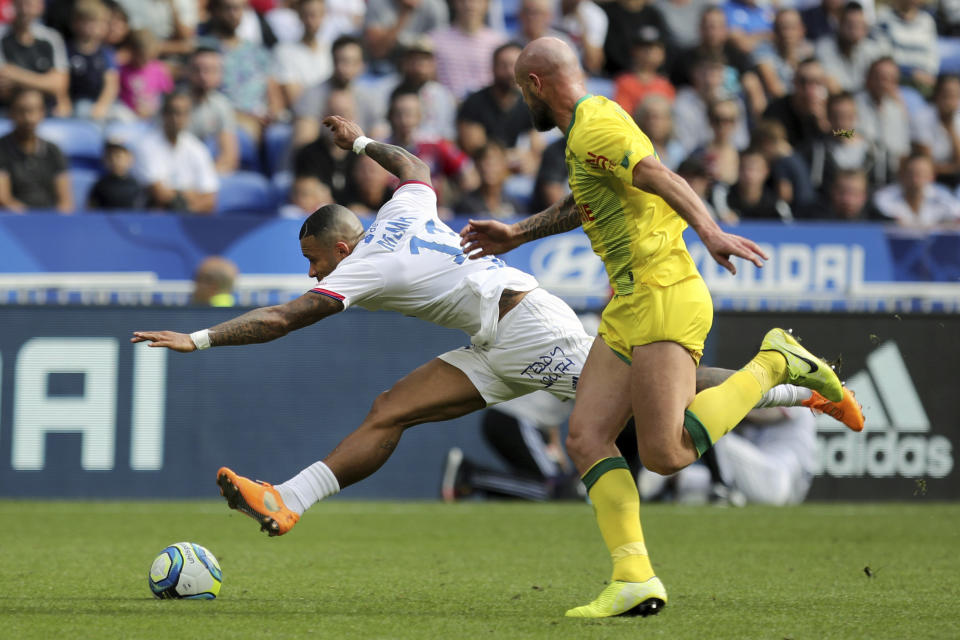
540, 344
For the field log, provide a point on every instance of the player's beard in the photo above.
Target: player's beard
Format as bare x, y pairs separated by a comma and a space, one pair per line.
540, 114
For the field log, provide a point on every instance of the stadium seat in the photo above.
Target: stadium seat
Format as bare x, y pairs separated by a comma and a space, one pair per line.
276, 141
81, 182
949, 55
249, 153
519, 188
282, 181
246, 192
5, 126
80, 140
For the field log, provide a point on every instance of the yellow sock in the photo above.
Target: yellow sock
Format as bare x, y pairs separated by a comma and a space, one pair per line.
717, 410
616, 503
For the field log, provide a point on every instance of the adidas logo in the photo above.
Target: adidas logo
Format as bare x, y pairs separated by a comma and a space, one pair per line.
896, 440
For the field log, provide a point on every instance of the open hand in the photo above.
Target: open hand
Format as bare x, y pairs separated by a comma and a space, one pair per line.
344, 131
487, 238
723, 245
170, 339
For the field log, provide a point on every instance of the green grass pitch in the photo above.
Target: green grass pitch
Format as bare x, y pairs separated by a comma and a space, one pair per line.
481, 570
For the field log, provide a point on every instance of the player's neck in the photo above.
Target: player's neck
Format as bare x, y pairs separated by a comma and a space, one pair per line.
566, 106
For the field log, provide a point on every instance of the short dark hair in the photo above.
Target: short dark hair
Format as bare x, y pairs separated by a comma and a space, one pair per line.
511, 44
174, 95
403, 90
942, 80
852, 6
840, 96
344, 41
324, 220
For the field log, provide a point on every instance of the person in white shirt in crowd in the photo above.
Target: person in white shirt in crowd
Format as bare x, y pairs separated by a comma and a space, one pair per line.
173, 22
912, 36
536, 18
846, 56
777, 60
306, 62
938, 132
348, 65
585, 25
174, 165
463, 49
883, 117
915, 201
213, 116
392, 23
341, 18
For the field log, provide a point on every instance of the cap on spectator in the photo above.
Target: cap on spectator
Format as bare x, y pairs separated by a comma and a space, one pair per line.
419, 44
646, 35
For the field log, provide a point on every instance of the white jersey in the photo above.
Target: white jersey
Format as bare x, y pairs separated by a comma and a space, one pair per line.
409, 261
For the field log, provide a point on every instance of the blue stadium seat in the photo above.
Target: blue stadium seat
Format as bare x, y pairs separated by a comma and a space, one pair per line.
276, 141
80, 140
249, 153
246, 192
81, 182
949, 55
5, 126
282, 181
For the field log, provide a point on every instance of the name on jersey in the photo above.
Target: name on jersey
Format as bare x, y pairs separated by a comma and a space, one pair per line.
598, 161
393, 231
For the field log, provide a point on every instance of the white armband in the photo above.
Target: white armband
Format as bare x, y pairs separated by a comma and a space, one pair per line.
360, 144
201, 339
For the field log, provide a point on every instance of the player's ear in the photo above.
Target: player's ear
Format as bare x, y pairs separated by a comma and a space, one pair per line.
342, 250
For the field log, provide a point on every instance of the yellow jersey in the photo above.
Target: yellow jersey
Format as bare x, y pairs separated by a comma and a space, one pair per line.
636, 234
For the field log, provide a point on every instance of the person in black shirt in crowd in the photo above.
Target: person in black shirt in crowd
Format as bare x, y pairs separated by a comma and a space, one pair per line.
33, 172
551, 183
626, 17
117, 188
94, 80
489, 198
33, 56
326, 161
803, 112
751, 197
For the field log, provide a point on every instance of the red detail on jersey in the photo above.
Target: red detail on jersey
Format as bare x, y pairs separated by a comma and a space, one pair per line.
426, 184
328, 293
601, 162
586, 213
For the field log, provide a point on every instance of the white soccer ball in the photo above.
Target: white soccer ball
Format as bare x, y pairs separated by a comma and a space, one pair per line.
185, 570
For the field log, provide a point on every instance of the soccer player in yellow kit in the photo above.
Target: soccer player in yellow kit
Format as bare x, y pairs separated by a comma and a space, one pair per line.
652, 332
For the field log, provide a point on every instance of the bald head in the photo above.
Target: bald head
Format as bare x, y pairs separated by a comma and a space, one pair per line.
333, 223
549, 75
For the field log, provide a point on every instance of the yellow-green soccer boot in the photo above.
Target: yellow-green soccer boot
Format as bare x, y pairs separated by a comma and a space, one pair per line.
625, 599
804, 368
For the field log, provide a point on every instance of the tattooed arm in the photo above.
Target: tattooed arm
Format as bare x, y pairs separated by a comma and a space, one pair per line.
491, 237
396, 160
259, 325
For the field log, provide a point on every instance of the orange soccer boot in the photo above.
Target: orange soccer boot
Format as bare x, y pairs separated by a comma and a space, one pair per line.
848, 411
258, 500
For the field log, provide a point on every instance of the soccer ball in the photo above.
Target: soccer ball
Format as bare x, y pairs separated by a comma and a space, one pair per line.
185, 570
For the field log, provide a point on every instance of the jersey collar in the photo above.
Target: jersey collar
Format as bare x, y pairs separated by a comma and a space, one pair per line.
573, 118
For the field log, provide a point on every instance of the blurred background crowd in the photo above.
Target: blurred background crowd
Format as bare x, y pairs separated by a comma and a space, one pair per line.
829, 110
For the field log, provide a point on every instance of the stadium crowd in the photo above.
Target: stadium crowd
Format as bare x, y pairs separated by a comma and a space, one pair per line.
833, 111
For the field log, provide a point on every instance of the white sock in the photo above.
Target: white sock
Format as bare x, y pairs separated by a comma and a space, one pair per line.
784, 395
308, 487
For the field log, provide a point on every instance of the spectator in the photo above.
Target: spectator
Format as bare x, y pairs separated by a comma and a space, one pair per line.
117, 188
803, 112
844, 149
213, 283
682, 18
750, 23
348, 65
947, 17
498, 113
489, 198
324, 160
915, 200
307, 62
118, 32
33, 56
536, 18
692, 125
624, 20
551, 184
655, 119
307, 194
144, 80
446, 161
789, 172
341, 18
247, 68
392, 22
172, 22
648, 54
94, 81
33, 172
846, 55
939, 135
848, 198
418, 68
883, 117
174, 165
822, 20
463, 49
720, 155
694, 171
739, 75
213, 117
912, 35
751, 197
777, 61
585, 25
374, 184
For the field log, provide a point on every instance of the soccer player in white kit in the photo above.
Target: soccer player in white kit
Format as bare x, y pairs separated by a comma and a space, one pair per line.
522, 338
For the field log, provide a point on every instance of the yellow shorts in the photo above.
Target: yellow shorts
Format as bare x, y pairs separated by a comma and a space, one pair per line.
681, 313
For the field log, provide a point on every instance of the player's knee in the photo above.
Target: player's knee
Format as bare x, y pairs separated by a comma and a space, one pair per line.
580, 448
664, 461
383, 412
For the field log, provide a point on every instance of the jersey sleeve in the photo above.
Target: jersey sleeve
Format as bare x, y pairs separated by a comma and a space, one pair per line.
611, 143
352, 282
410, 198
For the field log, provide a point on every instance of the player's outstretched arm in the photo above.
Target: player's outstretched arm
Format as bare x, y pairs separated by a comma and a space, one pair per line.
259, 325
651, 176
397, 160
492, 237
